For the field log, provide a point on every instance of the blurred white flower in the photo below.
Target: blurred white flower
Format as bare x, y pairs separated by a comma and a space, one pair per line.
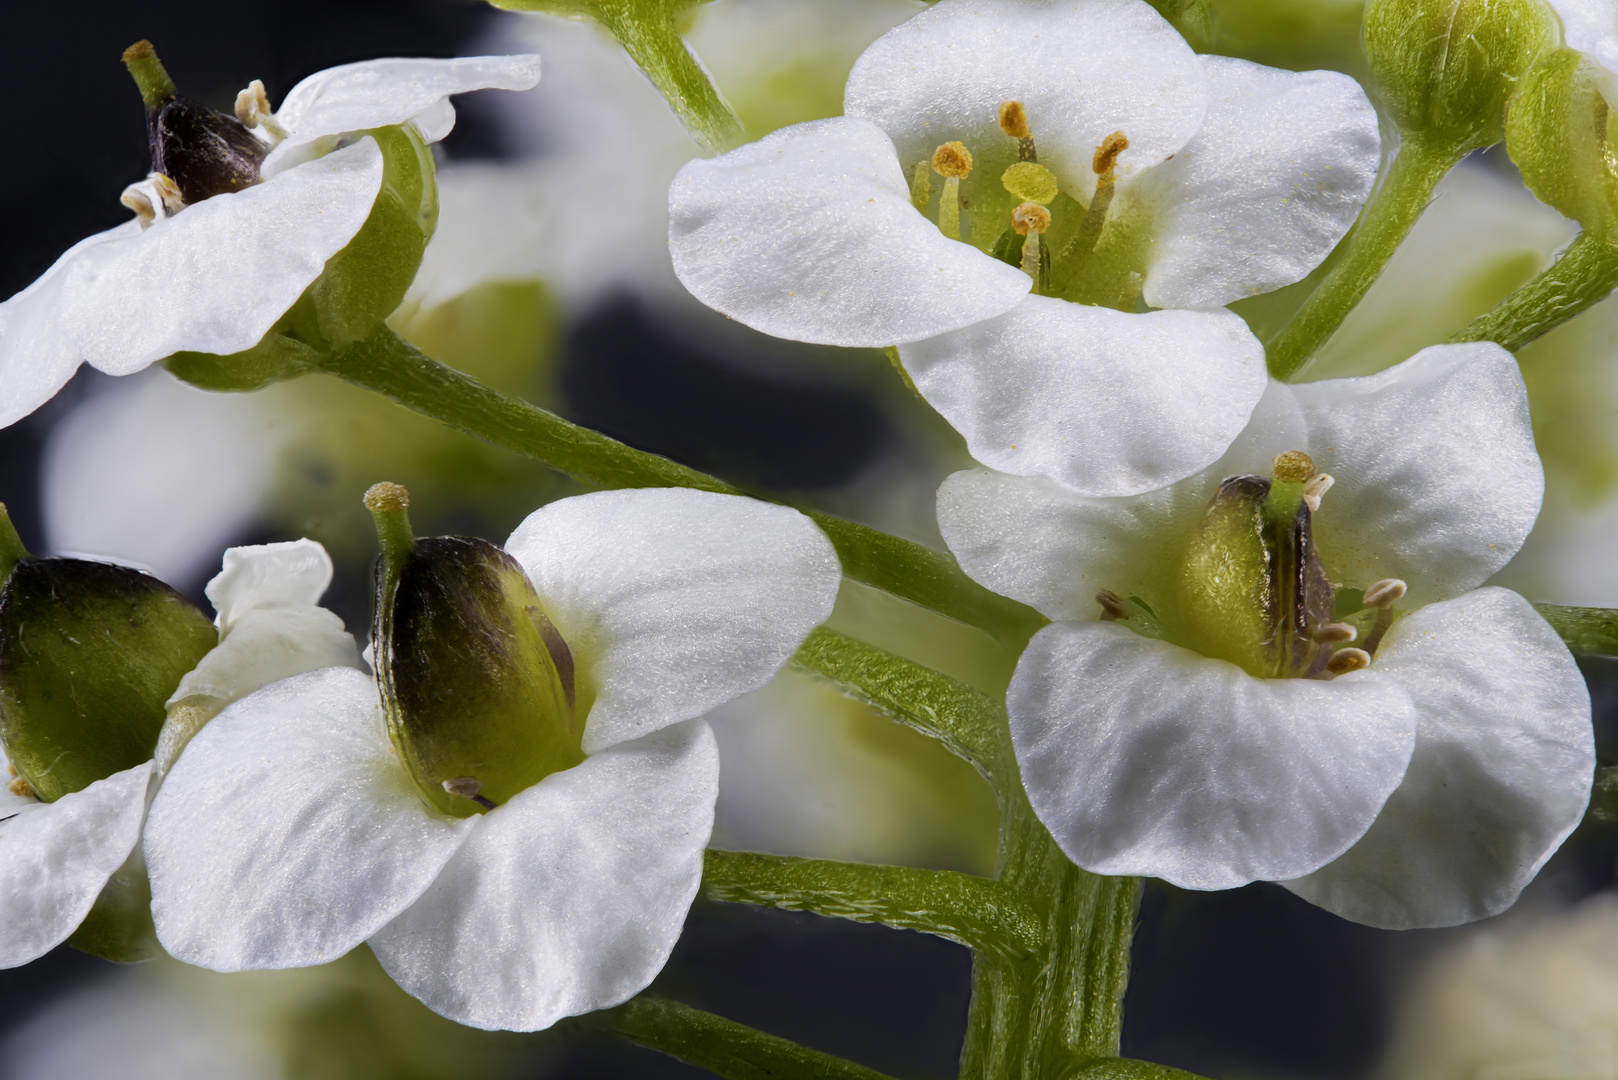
1426, 789
58, 856
1535, 998
290, 832
216, 275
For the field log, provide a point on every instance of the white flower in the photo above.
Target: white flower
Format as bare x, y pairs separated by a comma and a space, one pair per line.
215, 277
56, 857
1536, 997
1426, 789
1207, 179
290, 832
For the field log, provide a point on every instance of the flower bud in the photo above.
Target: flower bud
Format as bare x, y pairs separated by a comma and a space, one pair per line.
1559, 134
1446, 67
89, 654
476, 681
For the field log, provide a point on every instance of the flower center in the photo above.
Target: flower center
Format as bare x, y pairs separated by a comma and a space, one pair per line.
1053, 238
197, 153
1250, 586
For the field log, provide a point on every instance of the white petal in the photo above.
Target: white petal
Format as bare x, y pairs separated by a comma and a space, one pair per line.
674, 601
1083, 69
288, 833
571, 896
213, 278
809, 234
265, 645
380, 93
1265, 189
1102, 402
1145, 758
56, 857
1499, 778
36, 357
1438, 481
1591, 27
293, 574
1032, 540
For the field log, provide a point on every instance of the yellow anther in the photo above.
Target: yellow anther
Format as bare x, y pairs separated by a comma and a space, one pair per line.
1106, 156
1293, 467
1385, 593
1314, 489
1345, 660
1030, 217
1334, 633
952, 160
21, 788
1030, 182
1014, 119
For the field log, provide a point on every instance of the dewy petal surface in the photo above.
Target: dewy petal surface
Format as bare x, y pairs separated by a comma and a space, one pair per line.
674, 601
809, 234
1145, 758
1083, 69
56, 857
1500, 775
571, 896
287, 833
1102, 402
212, 279
1264, 191
379, 93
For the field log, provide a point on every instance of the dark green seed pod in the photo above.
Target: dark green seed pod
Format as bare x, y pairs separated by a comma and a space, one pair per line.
89, 653
477, 683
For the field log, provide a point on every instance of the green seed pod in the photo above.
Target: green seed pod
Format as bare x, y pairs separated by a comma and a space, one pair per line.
1444, 68
361, 285
1252, 588
89, 653
476, 681
1559, 134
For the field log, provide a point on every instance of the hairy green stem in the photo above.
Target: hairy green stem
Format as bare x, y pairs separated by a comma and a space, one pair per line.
390, 366
1587, 630
1405, 191
646, 29
1581, 277
976, 912
724, 1047
1048, 1016
967, 722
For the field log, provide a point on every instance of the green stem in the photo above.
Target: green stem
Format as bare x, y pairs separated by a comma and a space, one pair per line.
1591, 631
1581, 277
1060, 1013
1405, 191
977, 912
968, 723
724, 1047
390, 366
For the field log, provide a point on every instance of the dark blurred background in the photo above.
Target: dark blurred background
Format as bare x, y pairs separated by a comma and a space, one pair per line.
1249, 983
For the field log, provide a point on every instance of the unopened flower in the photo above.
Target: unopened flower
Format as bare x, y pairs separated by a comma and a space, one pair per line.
1293, 676
516, 823
67, 852
215, 259
1078, 151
